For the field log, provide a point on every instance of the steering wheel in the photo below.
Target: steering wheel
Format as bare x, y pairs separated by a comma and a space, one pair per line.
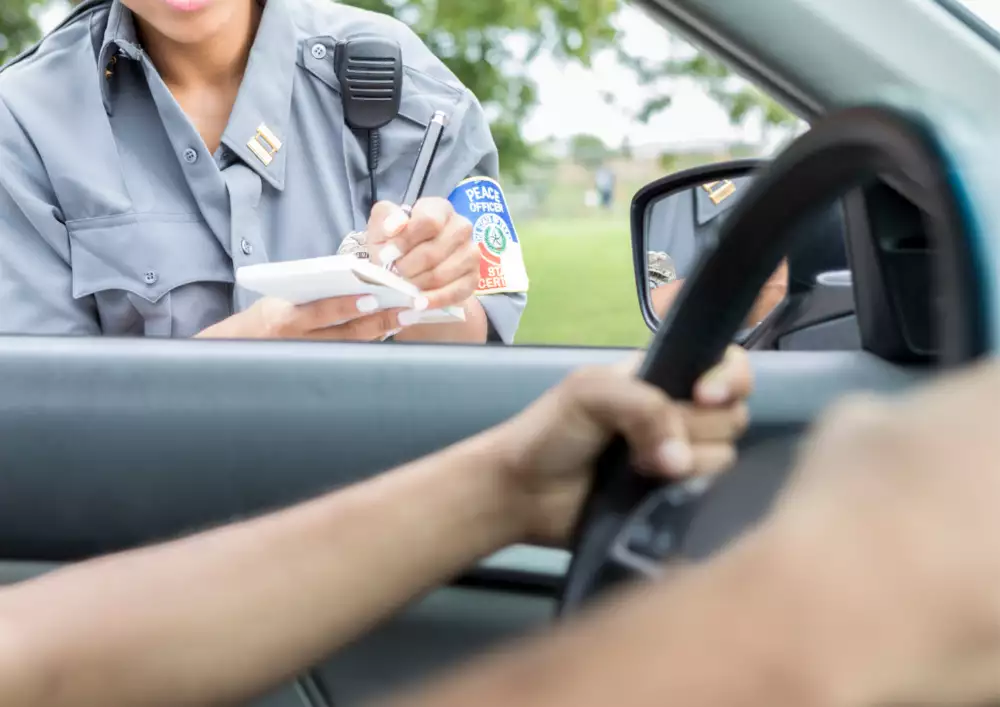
630, 525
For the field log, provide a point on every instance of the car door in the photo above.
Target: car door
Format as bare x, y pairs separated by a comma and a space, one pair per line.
90, 468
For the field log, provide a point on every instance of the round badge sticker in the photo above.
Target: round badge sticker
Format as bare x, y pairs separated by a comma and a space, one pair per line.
492, 235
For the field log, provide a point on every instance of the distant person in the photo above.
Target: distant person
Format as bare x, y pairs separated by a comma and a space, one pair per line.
605, 184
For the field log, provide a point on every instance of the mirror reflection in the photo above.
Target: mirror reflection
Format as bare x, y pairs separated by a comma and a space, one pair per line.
682, 226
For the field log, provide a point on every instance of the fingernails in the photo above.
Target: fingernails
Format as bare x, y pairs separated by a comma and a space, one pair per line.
394, 223
389, 254
409, 318
420, 304
367, 304
677, 457
714, 388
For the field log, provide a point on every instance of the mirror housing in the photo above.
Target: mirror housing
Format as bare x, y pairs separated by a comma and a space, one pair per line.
680, 214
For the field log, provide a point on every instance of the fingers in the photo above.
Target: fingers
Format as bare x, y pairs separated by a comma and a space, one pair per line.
372, 327
730, 380
712, 425
429, 255
385, 224
392, 234
454, 293
643, 414
286, 320
326, 313
712, 459
461, 265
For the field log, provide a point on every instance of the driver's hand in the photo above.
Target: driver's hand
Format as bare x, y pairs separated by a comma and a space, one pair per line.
550, 448
894, 518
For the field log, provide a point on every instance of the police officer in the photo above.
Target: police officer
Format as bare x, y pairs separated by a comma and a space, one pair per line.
682, 227
148, 148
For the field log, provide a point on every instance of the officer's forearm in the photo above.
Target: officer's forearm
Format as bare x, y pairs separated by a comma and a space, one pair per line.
217, 618
771, 295
473, 330
663, 297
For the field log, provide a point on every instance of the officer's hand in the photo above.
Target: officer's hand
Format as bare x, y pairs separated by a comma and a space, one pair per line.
336, 319
548, 450
894, 515
432, 248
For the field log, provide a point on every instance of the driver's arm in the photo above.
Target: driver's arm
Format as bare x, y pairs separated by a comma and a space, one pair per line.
220, 617
873, 582
758, 627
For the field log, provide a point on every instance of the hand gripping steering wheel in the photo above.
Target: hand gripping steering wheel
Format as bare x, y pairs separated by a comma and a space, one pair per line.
631, 525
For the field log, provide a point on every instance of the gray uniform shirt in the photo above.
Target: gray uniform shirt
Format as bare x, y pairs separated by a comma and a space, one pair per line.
114, 217
684, 225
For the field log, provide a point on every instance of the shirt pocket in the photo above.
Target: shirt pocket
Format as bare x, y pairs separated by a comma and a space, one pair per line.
135, 265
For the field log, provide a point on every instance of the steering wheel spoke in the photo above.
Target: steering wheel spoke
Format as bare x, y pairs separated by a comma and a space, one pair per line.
652, 535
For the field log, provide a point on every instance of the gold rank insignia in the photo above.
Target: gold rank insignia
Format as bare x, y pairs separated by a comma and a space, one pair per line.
264, 144
719, 191
109, 71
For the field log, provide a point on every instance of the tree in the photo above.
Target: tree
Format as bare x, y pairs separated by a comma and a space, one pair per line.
588, 151
625, 151
489, 45
667, 161
18, 28
739, 98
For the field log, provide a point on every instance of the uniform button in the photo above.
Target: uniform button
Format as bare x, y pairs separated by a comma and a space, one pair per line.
190, 156
246, 246
150, 277
318, 51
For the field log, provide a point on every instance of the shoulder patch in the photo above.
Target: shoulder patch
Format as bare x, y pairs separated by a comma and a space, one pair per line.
501, 263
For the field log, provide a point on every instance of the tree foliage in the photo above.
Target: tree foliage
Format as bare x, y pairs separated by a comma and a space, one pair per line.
489, 45
588, 151
17, 26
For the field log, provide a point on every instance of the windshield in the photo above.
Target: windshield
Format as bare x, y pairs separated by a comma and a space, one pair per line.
988, 11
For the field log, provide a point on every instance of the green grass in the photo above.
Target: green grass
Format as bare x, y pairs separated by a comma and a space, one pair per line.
582, 288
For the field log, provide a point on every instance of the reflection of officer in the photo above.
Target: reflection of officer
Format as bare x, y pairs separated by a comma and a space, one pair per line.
682, 226
127, 199
685, 225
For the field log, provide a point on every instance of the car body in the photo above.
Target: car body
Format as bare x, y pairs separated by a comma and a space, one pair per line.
108, 444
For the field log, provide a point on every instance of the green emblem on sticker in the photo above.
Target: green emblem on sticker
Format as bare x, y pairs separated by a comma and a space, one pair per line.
491, 231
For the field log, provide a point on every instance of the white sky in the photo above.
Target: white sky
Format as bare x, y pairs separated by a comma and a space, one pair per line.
570, 97
570, 103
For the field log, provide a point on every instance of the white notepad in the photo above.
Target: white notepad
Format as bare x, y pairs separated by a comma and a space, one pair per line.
303, 281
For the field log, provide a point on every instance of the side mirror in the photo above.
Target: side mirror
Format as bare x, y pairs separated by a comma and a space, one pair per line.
676, 221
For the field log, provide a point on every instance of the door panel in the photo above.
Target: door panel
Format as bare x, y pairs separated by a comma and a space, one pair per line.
446, 629
110, 444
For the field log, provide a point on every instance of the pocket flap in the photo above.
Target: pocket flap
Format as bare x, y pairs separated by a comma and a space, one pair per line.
148, 258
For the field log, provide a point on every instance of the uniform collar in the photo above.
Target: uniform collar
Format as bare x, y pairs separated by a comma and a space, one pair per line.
261, 117
262, 114
120, 39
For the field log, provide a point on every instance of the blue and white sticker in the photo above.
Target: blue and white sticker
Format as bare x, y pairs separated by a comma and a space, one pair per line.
501, 264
